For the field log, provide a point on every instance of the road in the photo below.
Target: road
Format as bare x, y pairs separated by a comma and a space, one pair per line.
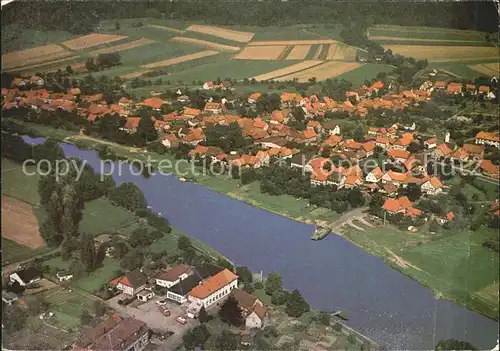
12, 266
347, 217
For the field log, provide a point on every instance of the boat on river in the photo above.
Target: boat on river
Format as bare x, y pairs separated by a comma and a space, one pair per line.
320, 233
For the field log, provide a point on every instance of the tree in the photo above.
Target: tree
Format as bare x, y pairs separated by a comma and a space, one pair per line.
452, 344
203, 316
13, 318
244, 274
90, 65
99, 309
296, 304
69, 69
325, 318
129, 196
197, 336
86, 317
87, 252
117, 26
355, 198
273, 283
225, 264
226, 341
280, 297
146, 129
298, 114
100, 254
183, 243
132, 260
230, 312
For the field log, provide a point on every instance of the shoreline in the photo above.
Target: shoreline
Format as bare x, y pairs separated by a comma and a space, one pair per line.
385, 258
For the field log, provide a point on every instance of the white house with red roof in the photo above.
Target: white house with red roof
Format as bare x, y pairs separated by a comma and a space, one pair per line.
214, 289
131, 283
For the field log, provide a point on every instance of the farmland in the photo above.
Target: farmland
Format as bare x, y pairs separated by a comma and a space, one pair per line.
445, 53
490, 69
297, 67
225, 33
326, 70
19, 223
90, 40
261, 52
425, 34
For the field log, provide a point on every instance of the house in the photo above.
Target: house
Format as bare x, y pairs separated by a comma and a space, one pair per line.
215, 108
170, 140
132, 124
398, 155
173, 275
492, 139
300, 160
122, 102
454, 88
432, 187
252, 308
252, 98
388, 188
190, 113
442, 150
399, 205
369, 147
460, 154
179, 292
308, 136
114, 333
352, 181
430, 143
331, 128
145, 295
194, 136
374, 176
488, 168
64, 275
26, 276
154, 103
214, 289
9, 297
447, 218
279, 116
395, 178
383, 142
131, 283
476, 151
440, 84
208, 85
272, 142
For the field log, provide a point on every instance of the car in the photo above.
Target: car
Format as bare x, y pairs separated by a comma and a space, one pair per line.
161, 302
181, 320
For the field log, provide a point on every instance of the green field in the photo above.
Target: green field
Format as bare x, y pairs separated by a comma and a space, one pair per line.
67, 307
427, 33
18, 185
15, 38
366, 72
14, 252
102, 216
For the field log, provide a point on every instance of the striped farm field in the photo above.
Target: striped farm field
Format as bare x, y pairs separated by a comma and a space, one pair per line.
134, 74
490, 69
33, 56
288, 70
90, 40
122, 47
30, 68
260, 53
402, 39
299, 52
328, 69
173, 30
444, 53
291, 42
341, 52
425, 33
230, 34
206, 43
180, 59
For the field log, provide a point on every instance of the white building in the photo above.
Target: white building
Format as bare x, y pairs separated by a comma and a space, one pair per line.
174, 275
26, 276
215, 288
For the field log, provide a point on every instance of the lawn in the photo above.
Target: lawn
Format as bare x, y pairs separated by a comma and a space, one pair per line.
102, 216
67, 307
101, 276
454, 265
14, 252
366, 72
19, 185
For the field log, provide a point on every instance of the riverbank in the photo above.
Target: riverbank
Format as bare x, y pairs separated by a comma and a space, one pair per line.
284, 205
384, 245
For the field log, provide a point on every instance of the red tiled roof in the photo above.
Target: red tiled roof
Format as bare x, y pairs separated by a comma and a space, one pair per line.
213, 284
488, 136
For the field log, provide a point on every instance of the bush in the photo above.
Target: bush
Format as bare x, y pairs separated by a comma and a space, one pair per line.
279, 297
258, 285
351, 339
337, 327
270, 331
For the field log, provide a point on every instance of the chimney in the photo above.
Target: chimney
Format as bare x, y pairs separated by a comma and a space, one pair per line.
447, 137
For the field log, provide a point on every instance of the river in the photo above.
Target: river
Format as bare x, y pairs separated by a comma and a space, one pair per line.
332, 274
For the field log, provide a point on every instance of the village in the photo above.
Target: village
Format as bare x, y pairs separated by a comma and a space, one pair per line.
382, 160
396, 164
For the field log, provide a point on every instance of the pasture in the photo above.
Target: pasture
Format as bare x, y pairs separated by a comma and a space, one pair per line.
100, 216
20, 224
445, 53
17, 184
329, 69
14, 252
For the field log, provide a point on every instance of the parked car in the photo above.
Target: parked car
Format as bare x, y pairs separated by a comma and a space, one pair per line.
164, 310
161, 302
181, 320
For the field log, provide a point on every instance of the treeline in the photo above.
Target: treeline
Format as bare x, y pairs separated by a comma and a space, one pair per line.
82, 17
